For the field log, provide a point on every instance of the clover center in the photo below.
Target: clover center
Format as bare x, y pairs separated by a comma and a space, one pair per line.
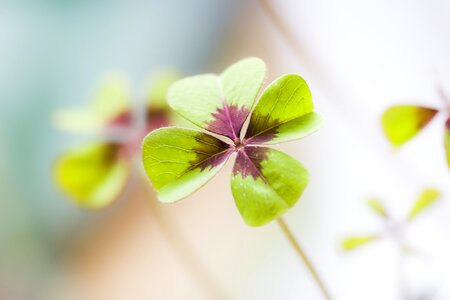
239, 144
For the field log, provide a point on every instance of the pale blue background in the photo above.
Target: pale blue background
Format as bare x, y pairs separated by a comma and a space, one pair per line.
51, 55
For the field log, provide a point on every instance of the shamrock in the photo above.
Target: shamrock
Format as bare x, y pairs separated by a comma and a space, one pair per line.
393, 227
403, 122
95, 173
265, 182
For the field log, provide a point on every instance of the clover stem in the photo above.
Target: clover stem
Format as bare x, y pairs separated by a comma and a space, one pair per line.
298, 249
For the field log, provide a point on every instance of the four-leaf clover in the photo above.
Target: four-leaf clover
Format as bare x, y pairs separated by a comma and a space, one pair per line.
95, 173
265, 183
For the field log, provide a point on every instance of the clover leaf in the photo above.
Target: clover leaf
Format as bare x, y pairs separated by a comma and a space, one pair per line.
377, 207
110, 101
426, 198
265, 182
354, 242
95, 173
401, 123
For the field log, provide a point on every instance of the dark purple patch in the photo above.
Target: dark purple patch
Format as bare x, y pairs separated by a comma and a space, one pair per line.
215, 160
447, 124
228, 121
425, 114
210, 152
262, 138
248, 162
261, 129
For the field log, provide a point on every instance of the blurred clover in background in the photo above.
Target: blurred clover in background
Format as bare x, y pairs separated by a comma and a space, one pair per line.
403, 122
394, 228
95, 173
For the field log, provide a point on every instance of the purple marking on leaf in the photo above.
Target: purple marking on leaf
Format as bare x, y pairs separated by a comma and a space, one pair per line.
215, 160
262, 138
425, 115
210, 152
248, 162
447, 124
228, 121
261, 129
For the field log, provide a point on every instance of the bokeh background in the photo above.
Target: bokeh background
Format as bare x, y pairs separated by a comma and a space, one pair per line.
359, 57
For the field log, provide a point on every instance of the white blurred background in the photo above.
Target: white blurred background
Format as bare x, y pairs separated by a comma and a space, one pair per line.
359, 57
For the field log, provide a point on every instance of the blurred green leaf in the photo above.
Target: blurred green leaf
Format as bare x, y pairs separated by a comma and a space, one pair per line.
426, 198
113, 96
377, 207
111, 99
402, 122
354, 242
92, 175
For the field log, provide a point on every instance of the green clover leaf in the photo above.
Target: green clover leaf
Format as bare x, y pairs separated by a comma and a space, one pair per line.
265, 183
426, 198
284, 112
110, 101
378, 207
354, 242
94, 174
401, 123
181, 160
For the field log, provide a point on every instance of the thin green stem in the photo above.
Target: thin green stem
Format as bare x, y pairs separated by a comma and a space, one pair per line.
295, 244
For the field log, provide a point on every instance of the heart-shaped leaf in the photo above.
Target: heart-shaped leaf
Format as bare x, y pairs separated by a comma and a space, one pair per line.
92, 175
284, 112
179, 161
219, 104
426, 198
266, 183
402, 122
354, 242
110, 105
